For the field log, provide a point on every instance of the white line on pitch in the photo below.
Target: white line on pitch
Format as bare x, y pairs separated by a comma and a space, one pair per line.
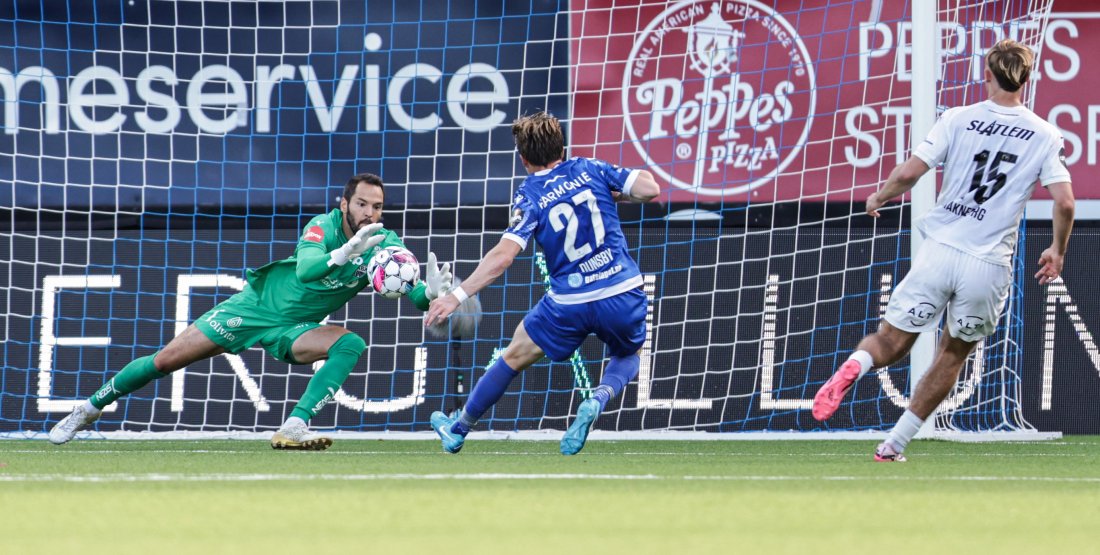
112, 478
52, 452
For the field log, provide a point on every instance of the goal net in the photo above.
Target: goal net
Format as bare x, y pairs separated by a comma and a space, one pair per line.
151, 153
988, 395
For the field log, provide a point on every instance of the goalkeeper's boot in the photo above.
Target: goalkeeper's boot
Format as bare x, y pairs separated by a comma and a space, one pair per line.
297, 437
830, 395
573, 440
452, 441
77, 420
886, 452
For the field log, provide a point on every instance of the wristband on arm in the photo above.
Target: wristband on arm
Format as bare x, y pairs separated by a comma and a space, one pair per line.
460, 294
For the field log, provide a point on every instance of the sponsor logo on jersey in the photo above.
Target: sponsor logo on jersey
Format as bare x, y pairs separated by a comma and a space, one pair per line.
234, 321
735, 111
314, 234
604, 274
518, 217
560, 189
219, 328
921, 314
968, 326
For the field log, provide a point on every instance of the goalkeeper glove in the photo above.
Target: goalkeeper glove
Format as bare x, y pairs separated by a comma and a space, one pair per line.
363, 240
438, 280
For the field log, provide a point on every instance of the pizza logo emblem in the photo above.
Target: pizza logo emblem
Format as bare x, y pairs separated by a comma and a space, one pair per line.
718, 96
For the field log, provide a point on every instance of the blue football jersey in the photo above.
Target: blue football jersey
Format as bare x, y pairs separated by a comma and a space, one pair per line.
570, 212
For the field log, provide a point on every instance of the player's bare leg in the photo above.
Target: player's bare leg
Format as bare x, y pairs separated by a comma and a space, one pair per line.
188, 347
932, 389
185, 349
941, 377
521, 353
314, 344
341, 349
882, 348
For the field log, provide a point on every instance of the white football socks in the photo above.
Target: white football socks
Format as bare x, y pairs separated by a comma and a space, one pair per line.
907, 427
865, 361
90, 408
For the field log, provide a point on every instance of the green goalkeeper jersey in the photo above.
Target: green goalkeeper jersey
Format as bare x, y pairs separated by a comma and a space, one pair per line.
282, 292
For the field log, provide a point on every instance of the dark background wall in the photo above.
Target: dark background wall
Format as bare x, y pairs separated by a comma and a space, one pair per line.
709, 310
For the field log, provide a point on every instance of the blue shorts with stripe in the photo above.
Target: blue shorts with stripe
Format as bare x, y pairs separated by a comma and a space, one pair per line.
619, 321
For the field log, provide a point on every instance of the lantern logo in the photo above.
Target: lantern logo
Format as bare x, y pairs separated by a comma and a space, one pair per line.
718, 95
713, 44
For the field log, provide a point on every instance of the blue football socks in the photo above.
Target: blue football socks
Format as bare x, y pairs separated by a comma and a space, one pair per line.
619, 372
603, 394
487, 391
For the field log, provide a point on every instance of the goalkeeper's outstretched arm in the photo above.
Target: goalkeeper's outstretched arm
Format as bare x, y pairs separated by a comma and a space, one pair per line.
437, 281
314, 263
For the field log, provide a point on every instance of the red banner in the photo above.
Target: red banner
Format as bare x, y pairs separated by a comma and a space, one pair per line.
734, 100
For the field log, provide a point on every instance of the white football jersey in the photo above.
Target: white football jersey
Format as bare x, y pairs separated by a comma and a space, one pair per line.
992, 157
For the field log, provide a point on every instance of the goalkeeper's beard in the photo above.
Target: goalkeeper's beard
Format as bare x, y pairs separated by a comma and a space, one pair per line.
355, 228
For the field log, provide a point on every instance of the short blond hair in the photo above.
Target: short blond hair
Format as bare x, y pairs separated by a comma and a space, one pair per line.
1010, 62
539, 138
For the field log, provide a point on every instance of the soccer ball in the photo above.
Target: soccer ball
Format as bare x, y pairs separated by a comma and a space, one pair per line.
393, 271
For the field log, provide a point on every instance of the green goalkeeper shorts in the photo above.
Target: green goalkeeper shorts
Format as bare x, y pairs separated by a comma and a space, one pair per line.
240, 322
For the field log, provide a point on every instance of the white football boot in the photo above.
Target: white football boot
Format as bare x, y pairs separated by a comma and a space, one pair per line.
296, 436
77, 420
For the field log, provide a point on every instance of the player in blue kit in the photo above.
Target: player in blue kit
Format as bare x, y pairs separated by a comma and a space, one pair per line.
568, 206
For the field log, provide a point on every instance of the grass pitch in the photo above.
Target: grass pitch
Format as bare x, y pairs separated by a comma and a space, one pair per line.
668, 497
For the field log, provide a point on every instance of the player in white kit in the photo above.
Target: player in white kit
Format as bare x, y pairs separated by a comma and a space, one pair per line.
993, 154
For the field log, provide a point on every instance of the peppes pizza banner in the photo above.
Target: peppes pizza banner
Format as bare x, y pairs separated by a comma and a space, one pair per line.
737, 100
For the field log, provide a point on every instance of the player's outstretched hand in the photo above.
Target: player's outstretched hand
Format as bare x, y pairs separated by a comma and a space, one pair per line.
1050, 263
440, 309
438, 280
363, 240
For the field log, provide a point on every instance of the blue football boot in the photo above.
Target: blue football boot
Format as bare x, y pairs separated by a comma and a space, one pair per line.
573, 440
441, 423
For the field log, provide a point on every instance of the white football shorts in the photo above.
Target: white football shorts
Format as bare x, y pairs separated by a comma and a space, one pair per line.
973, 292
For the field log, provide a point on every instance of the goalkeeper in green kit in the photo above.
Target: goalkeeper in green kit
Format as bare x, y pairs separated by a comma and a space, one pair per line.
280, 308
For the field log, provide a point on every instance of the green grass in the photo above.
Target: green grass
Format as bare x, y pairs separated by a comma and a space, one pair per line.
522, 497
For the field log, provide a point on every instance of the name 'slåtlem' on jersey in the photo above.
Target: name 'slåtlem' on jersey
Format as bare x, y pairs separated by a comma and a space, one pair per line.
990, 128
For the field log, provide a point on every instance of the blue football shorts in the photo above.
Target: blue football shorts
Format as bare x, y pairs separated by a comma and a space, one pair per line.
619, 321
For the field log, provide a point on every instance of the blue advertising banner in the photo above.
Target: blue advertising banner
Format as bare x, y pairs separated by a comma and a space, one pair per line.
180, 105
